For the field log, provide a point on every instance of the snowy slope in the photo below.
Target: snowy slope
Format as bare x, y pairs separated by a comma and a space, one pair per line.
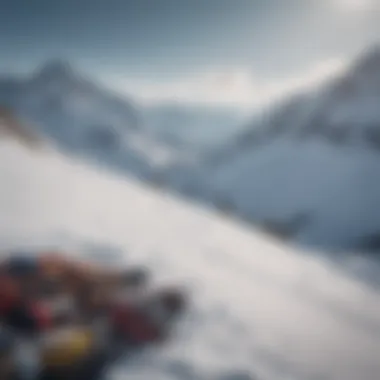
260, 311
316, 154
339, 189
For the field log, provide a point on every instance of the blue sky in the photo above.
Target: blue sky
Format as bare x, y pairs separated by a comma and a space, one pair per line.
222, 49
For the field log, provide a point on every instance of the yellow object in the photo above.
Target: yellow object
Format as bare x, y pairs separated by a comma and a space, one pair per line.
67, 347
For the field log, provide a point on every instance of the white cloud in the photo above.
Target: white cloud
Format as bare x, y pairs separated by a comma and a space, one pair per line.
355, 5
229, 86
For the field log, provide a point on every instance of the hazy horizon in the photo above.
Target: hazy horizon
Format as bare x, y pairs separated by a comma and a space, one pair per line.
240, 53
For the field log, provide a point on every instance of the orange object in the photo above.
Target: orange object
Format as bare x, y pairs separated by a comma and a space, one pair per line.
53, 263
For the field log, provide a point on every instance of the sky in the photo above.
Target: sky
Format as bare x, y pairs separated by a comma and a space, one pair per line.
221, 51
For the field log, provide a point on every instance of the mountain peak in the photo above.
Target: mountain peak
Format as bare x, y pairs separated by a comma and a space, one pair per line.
369, 60
54, 69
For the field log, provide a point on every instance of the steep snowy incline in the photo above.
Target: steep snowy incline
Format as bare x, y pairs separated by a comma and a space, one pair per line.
260, 311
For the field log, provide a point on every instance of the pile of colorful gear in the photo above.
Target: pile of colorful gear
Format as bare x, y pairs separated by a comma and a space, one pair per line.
65, 318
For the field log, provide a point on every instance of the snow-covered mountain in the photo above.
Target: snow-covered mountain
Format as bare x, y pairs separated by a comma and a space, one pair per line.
309, 169
259, 310
85, 119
